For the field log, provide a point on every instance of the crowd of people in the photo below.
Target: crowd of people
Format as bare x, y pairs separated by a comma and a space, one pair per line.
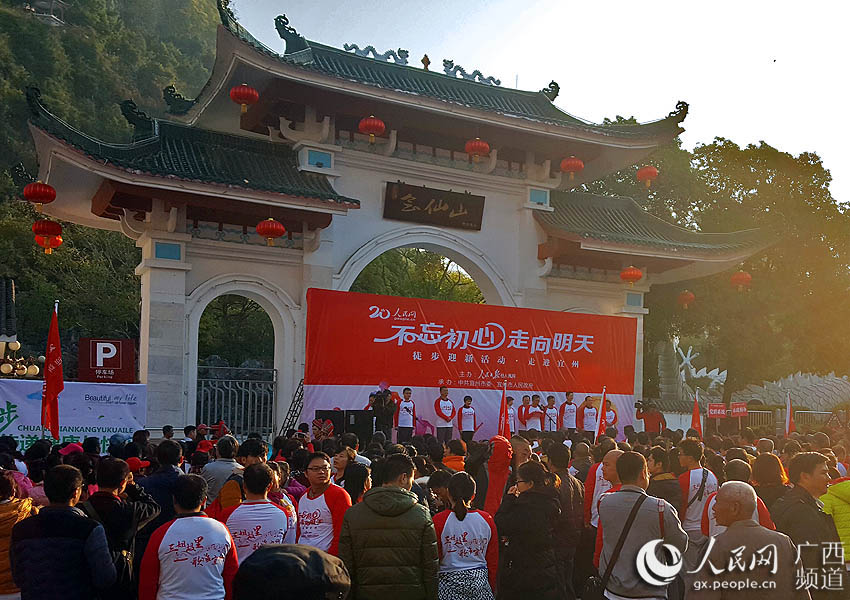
540, 515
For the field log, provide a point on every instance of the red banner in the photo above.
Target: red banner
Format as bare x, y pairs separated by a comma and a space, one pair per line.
739, 409
716, 411
364, 339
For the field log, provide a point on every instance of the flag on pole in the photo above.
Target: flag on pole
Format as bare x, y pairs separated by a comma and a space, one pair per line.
790, 426
53, 380
504, 422
601, 425
695, 420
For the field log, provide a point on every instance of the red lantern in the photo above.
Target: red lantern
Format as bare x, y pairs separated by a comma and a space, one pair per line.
39, 193
476, 148
46, 228
631, 275
371, 126
647, 174
270, 229
686, 298
572, 165
244, 95
48, 242
741, 280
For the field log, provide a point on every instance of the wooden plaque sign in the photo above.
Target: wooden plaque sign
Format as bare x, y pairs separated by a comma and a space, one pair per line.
433, 207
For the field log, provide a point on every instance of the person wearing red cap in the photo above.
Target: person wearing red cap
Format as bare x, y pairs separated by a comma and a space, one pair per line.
136, 465
123, 508
69, 449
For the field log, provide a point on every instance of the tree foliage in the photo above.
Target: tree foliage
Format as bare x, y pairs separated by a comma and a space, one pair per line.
417, 273
236, 329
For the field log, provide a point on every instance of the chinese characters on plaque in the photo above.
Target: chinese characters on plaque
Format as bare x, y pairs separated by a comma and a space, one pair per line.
430, 206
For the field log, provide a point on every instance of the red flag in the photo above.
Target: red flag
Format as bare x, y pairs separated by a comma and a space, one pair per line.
695, 420
504, 424
53, 379
601, 425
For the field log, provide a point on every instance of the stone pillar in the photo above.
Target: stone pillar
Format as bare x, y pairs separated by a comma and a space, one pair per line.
162, 329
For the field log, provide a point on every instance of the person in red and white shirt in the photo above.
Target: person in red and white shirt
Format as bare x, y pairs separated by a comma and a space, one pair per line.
467, 421
610, 415
512, 417
522, 413
586, 418
595, 485
609, 473
192, 557
550, 415
445, 410
567, 415
405, 417
257, 521
534, 414
736, 470
697, 484
468, 545
321, 508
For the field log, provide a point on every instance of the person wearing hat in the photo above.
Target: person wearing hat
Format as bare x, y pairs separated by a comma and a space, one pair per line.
136, 465
290, 572
69, 449
123, 508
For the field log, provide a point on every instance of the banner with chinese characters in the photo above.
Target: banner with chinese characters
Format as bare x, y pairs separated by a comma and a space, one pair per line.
356, 342
739, 409
716, 410
443, 208
85, 410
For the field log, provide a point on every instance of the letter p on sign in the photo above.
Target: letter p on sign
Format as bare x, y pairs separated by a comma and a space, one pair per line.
104, 350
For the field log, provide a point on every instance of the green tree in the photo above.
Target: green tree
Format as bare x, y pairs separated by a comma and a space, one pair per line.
417, 273
237, 329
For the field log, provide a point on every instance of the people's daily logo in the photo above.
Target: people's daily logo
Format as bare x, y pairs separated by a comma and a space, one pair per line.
652, 570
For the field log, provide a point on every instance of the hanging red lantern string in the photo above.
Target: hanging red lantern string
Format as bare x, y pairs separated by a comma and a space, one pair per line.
39, 193
270, 229
244, 95
741, 280
647, 175
371, 126
631, 275
48, 242
572, 165
685, 298
476, 148
46, 228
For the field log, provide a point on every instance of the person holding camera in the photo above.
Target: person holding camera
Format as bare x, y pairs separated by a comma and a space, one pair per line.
384, 409
653, 420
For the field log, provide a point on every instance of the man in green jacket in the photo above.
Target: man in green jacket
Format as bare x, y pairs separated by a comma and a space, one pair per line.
388, 541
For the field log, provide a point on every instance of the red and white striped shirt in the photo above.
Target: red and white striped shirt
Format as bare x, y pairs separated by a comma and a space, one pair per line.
690, 483
192, 557
255, 523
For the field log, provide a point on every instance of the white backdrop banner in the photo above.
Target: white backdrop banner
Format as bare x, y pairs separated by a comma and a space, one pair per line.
85, 410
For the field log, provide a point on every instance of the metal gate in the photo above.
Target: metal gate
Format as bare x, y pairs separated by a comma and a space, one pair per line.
245, 399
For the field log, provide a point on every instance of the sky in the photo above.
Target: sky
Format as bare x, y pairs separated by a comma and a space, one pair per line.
751, 70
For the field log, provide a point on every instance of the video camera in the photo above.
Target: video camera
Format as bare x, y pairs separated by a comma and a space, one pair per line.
640, 405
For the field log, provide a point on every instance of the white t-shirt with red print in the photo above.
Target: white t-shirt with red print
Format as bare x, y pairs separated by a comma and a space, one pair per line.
466, 419
192, 557
255, 523
594, 486
320, 518
469, 544
690, 483
445, 412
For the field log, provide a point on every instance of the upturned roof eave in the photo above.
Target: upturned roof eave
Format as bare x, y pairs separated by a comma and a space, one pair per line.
232, 50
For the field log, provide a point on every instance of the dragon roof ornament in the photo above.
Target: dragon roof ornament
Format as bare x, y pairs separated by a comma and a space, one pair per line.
399, 57
452, 70
295, 42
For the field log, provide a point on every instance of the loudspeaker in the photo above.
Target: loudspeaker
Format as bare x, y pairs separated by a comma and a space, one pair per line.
360, 422
337, 417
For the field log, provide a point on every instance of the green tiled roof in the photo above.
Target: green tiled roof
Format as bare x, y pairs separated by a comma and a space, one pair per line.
531, 106
179, 151
622, 221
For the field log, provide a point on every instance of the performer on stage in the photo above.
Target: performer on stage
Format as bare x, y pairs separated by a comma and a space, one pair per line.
534, 414
467, 422
567, 415
522, 413
588, 413
550, 415
405, 417
445, 410
512, 420
610, 415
